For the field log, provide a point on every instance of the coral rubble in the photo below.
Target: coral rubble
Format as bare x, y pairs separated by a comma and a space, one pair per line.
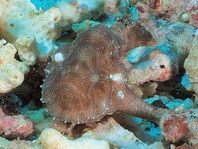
191, 64
115, 134
177, 11
14, 126
181, 127
74, 73
22, 28
73, 11
51, 138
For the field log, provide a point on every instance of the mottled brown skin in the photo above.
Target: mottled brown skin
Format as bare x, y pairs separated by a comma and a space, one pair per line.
81, 88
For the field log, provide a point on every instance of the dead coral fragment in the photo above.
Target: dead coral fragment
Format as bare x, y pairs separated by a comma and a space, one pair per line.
114, 133
177, 10
52, 139
181, 127
14, 126
156, 66
176, 127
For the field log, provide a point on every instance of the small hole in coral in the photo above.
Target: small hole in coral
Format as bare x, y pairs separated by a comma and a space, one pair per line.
162, 66
15, 77
12, 25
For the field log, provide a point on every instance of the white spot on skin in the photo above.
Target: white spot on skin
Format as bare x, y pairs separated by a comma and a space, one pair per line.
59, 57
76, 67
185, 16
95, 78
120, 94
105, 106
116, 77
47, 71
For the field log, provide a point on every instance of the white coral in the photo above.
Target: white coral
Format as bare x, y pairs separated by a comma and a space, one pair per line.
73, 11
115, 134
11, 71
79, 11
28, 29
51, 139
34, 32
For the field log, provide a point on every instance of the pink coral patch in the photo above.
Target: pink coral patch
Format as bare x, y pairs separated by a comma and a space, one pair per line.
175, 128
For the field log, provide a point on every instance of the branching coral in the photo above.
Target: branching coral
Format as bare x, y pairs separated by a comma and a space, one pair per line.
12, 71
80, 10
73, 11
19, 25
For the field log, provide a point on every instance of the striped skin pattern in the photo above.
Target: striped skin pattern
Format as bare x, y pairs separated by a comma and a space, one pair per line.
91, 80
